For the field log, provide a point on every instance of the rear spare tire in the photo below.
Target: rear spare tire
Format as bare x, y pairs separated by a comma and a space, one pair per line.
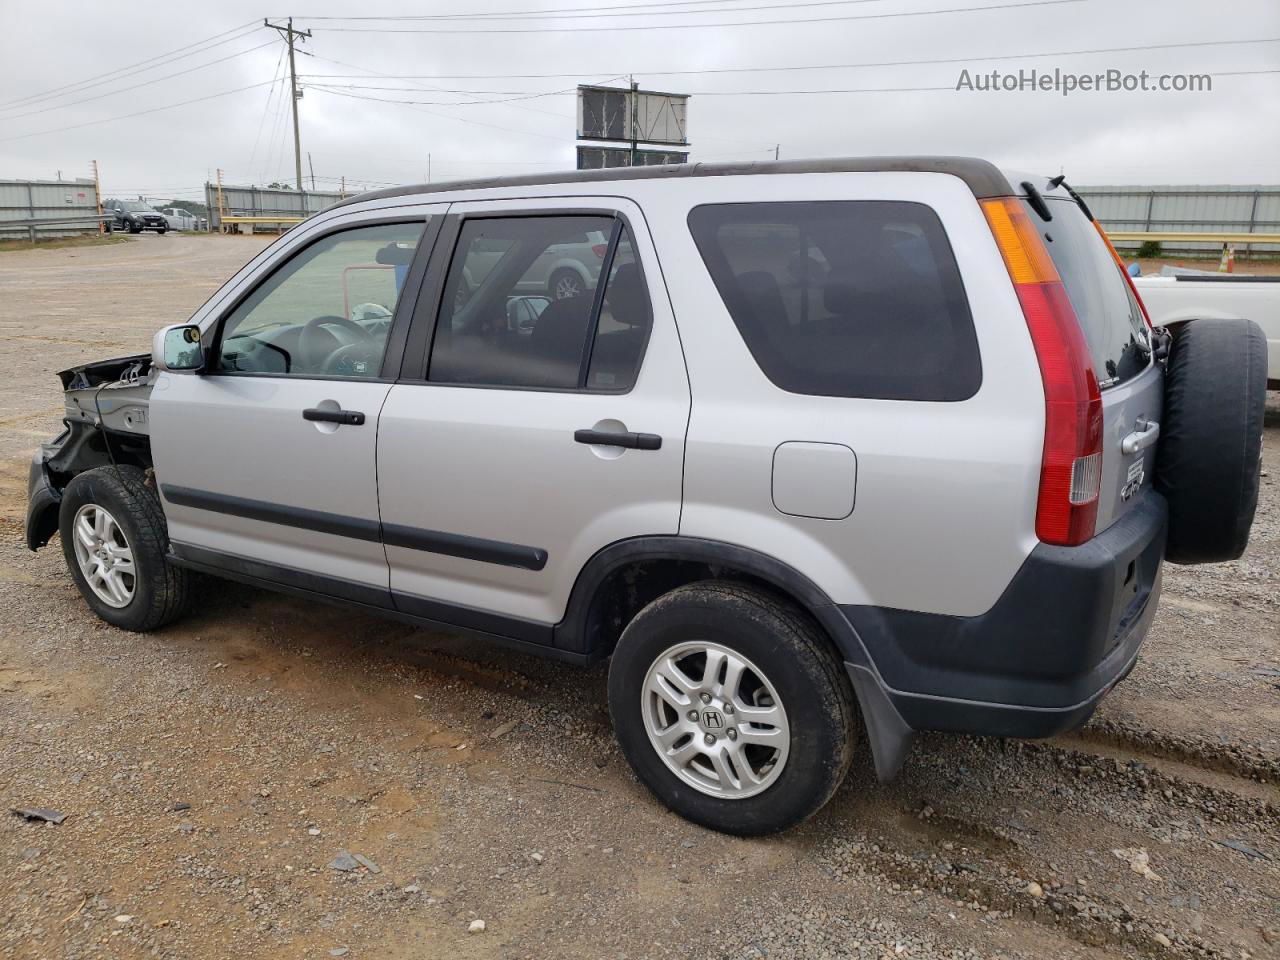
1209, 458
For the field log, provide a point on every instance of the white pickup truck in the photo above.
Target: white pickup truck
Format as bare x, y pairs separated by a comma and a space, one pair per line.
1175, 298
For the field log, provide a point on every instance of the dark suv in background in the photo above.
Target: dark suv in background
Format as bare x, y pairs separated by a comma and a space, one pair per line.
134, 216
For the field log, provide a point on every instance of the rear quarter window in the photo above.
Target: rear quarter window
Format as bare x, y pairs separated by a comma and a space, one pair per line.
844, 298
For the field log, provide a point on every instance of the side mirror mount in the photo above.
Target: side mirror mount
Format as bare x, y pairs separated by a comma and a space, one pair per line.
178, 348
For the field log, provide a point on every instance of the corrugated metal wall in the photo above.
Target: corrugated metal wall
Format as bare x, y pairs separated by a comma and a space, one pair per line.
1174, 209
263, 202
46, 200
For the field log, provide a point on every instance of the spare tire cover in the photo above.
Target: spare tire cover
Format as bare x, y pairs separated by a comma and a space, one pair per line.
1209, 459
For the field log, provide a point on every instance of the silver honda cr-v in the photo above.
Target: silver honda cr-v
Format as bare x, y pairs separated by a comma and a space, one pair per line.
811, 450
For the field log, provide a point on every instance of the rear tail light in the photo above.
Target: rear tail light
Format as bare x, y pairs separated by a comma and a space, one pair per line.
1071, 469
600, 249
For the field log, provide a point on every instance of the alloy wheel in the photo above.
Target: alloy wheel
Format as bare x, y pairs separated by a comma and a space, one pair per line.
715, 719
104, 555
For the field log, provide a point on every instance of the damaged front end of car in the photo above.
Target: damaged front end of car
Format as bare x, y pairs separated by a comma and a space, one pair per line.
105, 422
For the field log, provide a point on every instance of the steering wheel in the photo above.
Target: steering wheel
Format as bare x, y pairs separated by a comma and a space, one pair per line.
362, 359
316, 346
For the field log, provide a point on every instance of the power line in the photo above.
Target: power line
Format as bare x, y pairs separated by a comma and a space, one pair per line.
836, 90
375, 73
719, 25
445, 116
140, 113
266, 109
573, 11
585, 12
506, 97
150, 63
145, 83
787, 69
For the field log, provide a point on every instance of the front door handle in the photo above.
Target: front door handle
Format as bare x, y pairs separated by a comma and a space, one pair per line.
608, 438
352, 418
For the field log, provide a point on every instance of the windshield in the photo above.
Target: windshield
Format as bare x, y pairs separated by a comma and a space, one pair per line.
1109, 315
136, 206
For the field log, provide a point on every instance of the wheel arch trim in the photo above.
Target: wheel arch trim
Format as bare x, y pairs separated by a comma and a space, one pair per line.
572, 630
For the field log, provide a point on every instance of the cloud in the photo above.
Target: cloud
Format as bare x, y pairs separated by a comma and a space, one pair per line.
1228, 135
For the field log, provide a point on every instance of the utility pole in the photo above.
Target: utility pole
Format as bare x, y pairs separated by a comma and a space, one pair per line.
97, 197
342, 191
289, 35
221, 226
777, 148
428, 168
312, 167
634, 102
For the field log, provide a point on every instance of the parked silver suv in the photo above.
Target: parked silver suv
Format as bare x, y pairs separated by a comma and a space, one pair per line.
881, 444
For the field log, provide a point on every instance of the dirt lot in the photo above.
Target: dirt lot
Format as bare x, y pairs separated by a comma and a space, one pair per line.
485, 785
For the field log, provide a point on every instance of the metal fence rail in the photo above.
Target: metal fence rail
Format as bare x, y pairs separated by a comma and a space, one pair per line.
1181, 210
47, 208
262, 205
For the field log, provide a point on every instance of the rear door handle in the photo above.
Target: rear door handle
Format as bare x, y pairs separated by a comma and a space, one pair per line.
352, 418
607, 438
1147, 433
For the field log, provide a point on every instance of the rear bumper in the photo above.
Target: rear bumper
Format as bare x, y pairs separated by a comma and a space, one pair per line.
1065, 631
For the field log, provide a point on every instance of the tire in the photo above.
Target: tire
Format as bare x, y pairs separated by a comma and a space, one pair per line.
162, 230
564, 284
159, 590
135, 228
1209, 459
794, 658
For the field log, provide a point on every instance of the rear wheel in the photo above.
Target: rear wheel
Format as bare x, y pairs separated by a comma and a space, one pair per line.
115, 542
732, 708
1209, 459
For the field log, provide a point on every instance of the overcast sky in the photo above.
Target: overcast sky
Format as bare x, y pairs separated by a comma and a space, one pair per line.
53, 56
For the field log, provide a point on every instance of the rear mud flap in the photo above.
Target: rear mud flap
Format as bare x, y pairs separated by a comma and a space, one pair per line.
888, 733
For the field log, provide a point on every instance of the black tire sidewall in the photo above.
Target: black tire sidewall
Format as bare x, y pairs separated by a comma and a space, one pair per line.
101, 488
1208, 463
817, 758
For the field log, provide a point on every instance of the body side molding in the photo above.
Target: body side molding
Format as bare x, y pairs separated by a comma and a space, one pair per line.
359, 528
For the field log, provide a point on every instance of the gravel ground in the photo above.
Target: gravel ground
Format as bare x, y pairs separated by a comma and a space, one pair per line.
216, 775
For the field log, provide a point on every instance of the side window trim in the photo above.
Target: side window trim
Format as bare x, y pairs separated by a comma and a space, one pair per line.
400, 317
597, 305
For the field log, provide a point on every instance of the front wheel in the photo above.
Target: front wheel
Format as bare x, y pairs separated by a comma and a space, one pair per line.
564, 284
115, 541
732, 707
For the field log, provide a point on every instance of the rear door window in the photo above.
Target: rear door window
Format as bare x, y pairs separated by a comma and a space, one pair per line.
857, 298
537, 317
1104, 305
